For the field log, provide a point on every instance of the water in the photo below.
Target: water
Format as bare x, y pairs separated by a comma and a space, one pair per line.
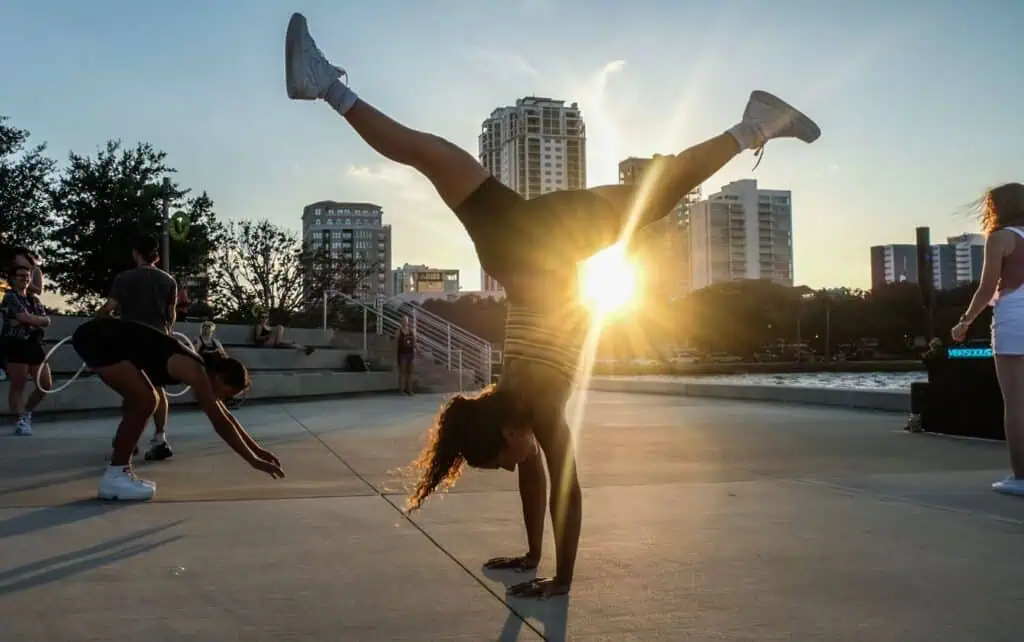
850, 380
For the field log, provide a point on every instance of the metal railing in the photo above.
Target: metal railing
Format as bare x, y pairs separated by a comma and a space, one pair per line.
450, 346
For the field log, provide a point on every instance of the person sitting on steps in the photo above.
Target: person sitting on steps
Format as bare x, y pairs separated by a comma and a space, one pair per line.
267, 336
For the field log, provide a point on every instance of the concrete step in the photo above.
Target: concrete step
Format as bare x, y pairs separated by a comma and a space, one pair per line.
229, 335
65, 360
93, 394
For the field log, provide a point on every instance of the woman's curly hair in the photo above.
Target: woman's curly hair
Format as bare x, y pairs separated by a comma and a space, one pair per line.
467, 430
1002, 206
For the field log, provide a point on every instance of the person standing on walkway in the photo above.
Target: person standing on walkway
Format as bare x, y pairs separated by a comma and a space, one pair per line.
147, 295
1002, 286
21, 339
406, 339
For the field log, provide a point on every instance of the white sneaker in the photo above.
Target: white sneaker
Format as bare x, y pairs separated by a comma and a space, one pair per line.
1009, 486
307, 74
775, 118
24, 426
121, 483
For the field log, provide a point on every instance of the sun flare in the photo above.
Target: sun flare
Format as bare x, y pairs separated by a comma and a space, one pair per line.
609, 281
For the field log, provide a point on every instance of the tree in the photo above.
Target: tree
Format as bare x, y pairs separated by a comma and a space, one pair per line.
103, 204
257, 267
326, 273
25, 180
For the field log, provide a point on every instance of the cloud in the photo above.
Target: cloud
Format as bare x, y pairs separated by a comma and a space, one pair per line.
604, 138
503, 61
613, 67
402, 182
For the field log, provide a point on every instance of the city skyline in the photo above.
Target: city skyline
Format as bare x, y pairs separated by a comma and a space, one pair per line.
891, 88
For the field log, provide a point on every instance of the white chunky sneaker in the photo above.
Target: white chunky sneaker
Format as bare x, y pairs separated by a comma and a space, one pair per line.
23, 428
307, 73
121, 483
775, 118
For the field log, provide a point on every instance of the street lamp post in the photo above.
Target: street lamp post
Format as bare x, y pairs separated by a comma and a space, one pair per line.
828, 329
165, 213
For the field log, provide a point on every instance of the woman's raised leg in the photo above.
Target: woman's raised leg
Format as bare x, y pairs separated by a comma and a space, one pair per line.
668, 179
453, 171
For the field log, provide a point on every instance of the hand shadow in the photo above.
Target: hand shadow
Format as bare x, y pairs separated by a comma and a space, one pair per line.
552, 613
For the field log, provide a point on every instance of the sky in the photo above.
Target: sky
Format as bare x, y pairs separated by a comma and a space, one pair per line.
919, 102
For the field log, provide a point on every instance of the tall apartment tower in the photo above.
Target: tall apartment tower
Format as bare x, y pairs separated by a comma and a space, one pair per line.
742, 232
956, 262
893, 263
536, 146
353, 231
665, 243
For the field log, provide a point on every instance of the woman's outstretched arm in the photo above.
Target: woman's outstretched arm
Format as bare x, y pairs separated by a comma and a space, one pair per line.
566, 500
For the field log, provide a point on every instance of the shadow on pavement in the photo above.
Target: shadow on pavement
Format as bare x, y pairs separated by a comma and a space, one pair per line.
59, 567
551, 613
51, 516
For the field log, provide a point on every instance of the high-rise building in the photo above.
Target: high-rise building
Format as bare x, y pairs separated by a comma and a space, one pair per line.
355, 232
894, 263
665, 243
956, 262
742, 232
968, 253
536, 146
423, 279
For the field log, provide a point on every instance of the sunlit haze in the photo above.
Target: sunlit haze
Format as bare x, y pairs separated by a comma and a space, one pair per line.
609, 281
919, 102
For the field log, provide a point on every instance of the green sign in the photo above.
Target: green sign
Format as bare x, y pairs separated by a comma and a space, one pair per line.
179, 226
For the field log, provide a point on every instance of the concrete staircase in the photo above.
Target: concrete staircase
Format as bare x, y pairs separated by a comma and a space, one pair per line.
450, 358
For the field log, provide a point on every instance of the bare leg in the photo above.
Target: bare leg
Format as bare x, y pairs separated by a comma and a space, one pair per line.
668, 179
1010, 370
139, 401
454, 173
160, 414
43, 379
18, 376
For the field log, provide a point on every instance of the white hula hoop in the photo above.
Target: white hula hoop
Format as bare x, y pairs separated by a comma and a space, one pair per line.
192, 346
81, 368
46, 360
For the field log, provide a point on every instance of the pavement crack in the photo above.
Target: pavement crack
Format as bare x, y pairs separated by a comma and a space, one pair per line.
430, 538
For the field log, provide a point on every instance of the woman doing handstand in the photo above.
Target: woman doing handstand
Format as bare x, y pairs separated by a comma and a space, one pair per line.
532, 247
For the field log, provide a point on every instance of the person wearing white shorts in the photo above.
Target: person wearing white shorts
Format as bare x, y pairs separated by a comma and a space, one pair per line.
1002, 286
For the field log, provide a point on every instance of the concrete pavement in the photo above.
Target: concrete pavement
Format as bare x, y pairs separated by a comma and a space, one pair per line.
703, 520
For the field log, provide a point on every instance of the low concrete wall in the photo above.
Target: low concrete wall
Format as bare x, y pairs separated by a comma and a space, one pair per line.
229, 335
887, 400
93, 394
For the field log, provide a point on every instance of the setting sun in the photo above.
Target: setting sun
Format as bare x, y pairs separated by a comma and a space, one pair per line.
609, 280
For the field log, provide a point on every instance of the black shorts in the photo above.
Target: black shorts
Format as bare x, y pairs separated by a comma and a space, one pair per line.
105, 342
547, 234
25, 351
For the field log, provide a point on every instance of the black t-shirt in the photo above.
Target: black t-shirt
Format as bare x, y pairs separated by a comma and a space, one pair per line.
406, 342
145, 295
